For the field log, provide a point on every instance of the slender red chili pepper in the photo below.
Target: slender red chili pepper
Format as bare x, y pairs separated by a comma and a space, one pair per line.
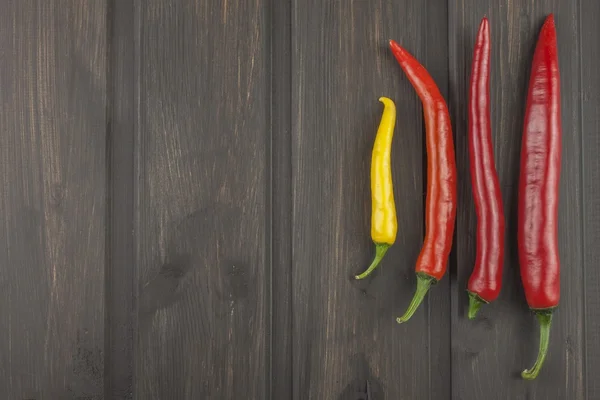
441, 179
538, 188
486, 279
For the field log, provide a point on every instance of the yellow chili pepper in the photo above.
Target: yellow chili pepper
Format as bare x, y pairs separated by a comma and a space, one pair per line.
384, 224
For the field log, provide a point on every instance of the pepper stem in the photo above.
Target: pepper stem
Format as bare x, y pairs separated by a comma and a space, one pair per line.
545, 319
475, 303
380, 250
424, 282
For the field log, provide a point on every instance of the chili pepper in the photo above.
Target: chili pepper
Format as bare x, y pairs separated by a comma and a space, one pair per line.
384, 224
441, 179
486, 279
538, 189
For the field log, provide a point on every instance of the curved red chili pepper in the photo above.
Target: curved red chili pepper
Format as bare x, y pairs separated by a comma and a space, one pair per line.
538, 188
486, 279
441, 179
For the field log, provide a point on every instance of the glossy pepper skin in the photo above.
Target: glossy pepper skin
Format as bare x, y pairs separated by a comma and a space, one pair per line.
384, 224
486, 279
441, 179
538, 188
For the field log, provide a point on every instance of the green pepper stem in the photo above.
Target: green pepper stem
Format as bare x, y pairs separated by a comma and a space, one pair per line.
424, 282
545, 319
380, 250
475, 303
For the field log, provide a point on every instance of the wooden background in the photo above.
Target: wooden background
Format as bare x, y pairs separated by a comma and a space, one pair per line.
185, 195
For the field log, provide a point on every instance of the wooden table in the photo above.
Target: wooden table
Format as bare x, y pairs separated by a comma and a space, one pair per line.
185, 195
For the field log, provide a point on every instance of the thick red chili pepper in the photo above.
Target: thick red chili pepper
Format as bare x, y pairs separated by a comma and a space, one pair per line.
441, 179
486, 279
538, 188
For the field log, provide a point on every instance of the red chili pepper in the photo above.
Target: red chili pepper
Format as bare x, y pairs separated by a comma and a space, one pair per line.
441, 179
486, 278
538, 188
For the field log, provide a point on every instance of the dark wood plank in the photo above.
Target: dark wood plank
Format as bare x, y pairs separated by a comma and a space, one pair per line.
120, 290
436, 62
590, 144
52, 207
202, 195
345, 332
489, 353
281, 197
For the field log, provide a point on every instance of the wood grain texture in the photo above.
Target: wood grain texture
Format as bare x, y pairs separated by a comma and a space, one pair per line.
590, 144
439, 344
489, 353
52, 206
344, 332
281, 199
202, 196
120, 281
186, 197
